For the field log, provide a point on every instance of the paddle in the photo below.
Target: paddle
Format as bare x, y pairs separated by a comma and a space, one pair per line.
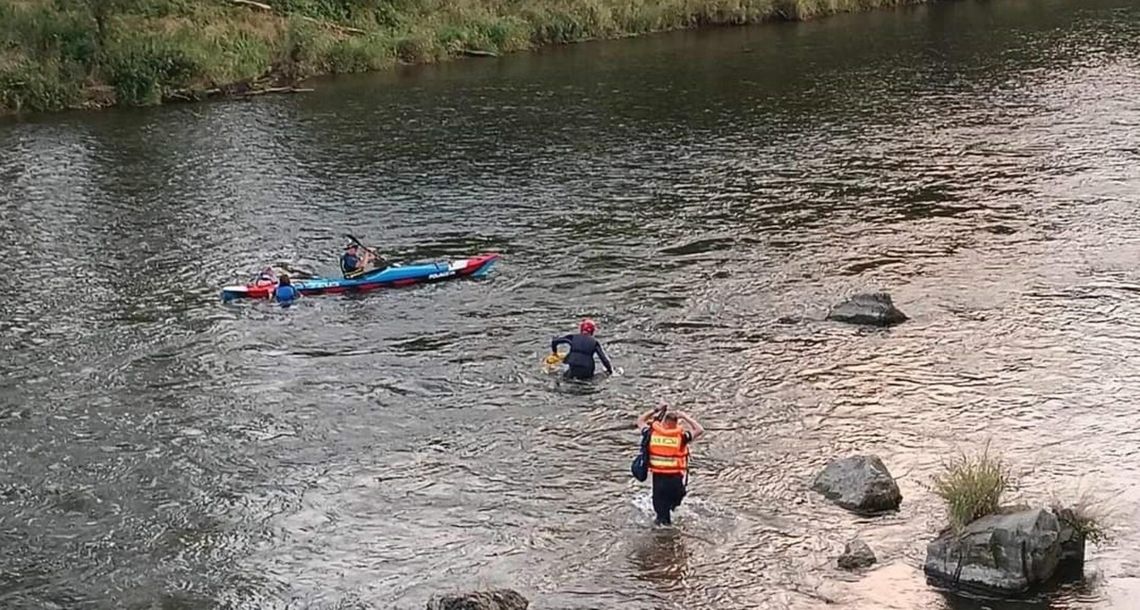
379, 259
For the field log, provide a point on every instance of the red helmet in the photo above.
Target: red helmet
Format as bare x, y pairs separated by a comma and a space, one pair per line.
587, 327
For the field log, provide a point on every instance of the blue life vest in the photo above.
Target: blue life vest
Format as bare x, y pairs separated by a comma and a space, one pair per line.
349, 264
285, 294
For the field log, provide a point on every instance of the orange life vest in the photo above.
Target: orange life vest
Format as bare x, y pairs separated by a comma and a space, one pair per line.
668, 451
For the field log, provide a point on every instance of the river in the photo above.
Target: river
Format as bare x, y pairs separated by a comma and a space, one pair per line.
979, 160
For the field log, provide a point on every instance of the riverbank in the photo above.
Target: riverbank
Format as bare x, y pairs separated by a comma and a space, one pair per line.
100, 53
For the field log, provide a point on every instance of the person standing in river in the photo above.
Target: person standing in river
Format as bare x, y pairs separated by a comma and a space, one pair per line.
285, 292
583, 348
668, 457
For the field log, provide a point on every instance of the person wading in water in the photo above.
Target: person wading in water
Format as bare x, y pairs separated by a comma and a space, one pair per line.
583, 348
668, 457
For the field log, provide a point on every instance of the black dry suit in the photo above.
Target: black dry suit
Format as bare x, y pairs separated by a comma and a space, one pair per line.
581, 356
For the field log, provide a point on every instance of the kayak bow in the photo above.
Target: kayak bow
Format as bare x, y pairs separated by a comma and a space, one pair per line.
390, 277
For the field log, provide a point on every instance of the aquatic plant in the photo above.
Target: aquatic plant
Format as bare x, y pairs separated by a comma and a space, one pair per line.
972, 486
1085, 514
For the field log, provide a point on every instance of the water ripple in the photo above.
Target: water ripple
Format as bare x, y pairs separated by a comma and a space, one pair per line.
699, 197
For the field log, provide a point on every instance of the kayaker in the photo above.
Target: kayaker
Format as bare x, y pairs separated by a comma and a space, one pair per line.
285, 291
668, 457
266, 278
352, 263
583, 348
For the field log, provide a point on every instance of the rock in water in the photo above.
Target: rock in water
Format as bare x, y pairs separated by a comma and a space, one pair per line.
856, 555
1072, 541
874, 309
500, 599
860, 483
997, 555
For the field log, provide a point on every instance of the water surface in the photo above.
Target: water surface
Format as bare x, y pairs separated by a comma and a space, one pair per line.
979, 160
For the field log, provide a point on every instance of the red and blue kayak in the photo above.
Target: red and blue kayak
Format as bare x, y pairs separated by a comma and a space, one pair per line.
390, 277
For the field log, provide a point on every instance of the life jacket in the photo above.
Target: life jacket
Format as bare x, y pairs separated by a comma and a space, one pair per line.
668, 451
350, 265
285, 293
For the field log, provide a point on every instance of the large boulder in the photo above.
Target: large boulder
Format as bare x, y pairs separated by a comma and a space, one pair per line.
499, 599
856, 555
874, 309
859, 483
1003, 554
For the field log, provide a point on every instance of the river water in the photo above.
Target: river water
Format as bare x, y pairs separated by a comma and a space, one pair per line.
705, 196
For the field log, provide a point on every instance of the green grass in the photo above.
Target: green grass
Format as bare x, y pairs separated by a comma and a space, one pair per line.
1085, 514
56, 53
972, 487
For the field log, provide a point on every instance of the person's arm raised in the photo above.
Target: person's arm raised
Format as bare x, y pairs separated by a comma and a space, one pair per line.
644, 419
696, 427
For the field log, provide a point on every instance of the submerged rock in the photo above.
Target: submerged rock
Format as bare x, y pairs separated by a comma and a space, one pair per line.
874, 309
856, 555
1005, 554
499, 599
860, 483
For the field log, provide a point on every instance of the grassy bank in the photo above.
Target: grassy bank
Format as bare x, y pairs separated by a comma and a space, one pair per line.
60, 54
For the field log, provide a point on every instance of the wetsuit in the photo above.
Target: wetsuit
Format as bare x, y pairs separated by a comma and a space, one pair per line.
669, 488
580, 360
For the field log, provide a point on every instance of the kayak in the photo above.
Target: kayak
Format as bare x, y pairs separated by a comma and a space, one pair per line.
391, 277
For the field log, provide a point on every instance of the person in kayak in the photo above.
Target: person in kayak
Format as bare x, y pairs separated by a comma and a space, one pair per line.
266, 278
583, 348
285, 291
353, 264
668, 457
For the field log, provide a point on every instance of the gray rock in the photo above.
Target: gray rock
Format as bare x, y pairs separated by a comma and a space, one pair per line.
874, 309
856, 554
499, 599
1004, 554
1072, 541
859, 483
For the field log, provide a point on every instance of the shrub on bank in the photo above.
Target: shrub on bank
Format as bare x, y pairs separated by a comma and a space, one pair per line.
54, 50
359, 54
37, 86
44, 58
143, 67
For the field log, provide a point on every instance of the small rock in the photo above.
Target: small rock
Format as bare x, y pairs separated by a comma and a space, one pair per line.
1002, 554
500, 599
856, 555
859, 483
874, 309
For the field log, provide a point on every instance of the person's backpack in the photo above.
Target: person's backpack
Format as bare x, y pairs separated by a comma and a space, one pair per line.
639, 468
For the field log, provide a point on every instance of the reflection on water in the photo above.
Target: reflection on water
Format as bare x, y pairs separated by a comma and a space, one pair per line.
705, 196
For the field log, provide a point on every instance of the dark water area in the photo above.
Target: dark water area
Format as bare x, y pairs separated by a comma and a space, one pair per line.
980, 160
